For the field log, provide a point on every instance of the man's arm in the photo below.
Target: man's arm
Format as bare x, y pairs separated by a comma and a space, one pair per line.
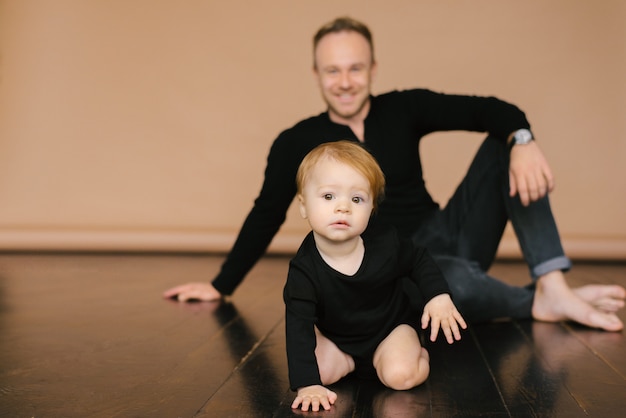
258, 230
451, 112
530, 174
254, 237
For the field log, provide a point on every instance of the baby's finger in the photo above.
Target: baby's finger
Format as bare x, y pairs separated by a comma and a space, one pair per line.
325, 403
315, 404
459, 319
296, 402
455, 329
425, 320
434, 329
306, 402
445, 326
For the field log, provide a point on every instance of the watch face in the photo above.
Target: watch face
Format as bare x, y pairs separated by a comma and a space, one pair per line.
523, 136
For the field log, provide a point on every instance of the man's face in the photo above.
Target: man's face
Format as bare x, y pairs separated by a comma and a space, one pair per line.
344, 71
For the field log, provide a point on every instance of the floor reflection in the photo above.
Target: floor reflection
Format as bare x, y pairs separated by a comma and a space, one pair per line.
532, 363
260, 381
399, 404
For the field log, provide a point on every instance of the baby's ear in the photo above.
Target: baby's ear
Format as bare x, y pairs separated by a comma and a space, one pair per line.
301, 205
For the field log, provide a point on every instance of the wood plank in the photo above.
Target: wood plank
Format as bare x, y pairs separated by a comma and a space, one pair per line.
117, 355
460, 384
528, 386
90, 335
597, 388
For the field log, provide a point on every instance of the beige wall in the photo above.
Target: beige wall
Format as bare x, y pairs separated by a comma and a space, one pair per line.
144, 124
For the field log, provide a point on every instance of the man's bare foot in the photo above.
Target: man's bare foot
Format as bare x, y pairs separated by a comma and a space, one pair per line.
607, 298
555, 301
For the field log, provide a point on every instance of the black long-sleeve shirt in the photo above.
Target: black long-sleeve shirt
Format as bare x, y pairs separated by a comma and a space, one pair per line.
394, 126
396, 278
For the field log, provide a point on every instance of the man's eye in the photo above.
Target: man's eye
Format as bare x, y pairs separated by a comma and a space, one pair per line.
328, 196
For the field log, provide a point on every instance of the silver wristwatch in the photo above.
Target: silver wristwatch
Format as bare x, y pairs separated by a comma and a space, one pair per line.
521, 137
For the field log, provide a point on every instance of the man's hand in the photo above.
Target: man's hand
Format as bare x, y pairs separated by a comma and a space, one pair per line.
314, 396
529, 173
442, 312
193, 291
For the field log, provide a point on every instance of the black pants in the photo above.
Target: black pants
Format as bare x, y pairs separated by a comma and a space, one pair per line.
464, 236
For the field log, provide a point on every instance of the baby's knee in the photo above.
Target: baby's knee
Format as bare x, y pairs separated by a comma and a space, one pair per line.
398, 376
334, 369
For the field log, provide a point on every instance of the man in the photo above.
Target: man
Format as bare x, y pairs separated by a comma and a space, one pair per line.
509, 179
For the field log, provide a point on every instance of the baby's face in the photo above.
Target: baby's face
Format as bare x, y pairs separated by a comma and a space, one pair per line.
336, 200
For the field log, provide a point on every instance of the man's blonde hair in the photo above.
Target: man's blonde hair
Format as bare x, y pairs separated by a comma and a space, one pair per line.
348, 153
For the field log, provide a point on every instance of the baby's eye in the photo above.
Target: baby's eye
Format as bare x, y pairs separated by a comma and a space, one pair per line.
357, 199
328, 196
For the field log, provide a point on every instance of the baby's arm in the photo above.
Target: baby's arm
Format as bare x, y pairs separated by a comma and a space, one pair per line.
314, 396
442, 312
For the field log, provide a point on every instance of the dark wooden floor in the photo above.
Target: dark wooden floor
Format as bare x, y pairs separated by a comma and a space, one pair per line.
90, 336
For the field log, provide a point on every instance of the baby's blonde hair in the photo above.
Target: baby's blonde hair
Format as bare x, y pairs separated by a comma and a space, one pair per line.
348, 153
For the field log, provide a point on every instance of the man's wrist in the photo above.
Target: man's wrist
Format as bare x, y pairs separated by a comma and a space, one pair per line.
520, 137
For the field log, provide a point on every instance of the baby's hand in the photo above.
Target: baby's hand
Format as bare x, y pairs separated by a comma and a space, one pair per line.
314, 396
442, 312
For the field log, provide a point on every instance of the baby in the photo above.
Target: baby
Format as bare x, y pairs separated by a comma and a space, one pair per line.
355, 294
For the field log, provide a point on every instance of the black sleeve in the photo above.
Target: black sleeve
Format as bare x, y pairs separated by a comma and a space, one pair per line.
426, 275
448, 112
300, 317
265, 218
